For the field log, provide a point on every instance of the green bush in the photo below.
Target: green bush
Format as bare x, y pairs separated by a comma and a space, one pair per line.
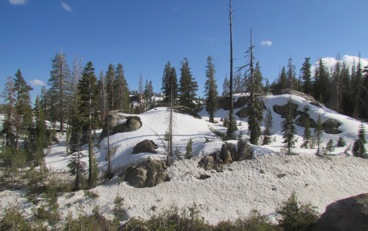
294, 216
13, 219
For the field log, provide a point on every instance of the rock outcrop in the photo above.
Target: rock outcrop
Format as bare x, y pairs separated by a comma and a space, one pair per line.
227, 155
145, 146
119, 123
346, 214
331, 126
146, 174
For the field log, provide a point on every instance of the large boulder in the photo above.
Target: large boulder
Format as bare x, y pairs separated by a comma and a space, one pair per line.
300, 121
331, 126
283, 110
224, 102
346, 214
118, 123
145, 146
146, 174
244, 150
228, 153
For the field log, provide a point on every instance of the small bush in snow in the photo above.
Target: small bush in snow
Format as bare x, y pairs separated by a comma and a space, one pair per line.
13, 219
341, 142
295, 216
189, 149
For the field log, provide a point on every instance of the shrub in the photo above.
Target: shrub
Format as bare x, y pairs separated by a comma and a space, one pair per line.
294, 216
13, 219
341, 142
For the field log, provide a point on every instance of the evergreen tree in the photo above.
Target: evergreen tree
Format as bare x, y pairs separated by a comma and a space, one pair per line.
346, 91
282, 81
169, 83
268, 127
292, 82
225, 87
307, 136
359, 144
330, 146
102, 101
77, 168
318, 130
188, 86
232, 123
148, 94
60, 89
23, 119
88, 112
364, 98
288, 128
321, 87
211, 90
110, 76
306, 76
189, 149
336, 95
37, 139
9, 130
255, 90
121, 90
357, 87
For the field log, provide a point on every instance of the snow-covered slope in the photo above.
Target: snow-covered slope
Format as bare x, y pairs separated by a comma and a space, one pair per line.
255, 184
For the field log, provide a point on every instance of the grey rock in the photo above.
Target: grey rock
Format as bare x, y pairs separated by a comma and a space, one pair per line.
330, 126
146, 174
346, 214
114, 125
244, 150
145, 146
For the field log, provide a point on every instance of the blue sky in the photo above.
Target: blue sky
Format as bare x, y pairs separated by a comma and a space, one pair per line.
144, 35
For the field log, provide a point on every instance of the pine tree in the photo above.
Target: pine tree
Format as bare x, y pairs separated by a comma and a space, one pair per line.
188, 86
9, 130
307, 136
121, 90
102, 101
282, 81
110, 76
330, 146
77, 168
335, 99
306, 76
23, 119
288, 128
37, 139
255, 90
268, 127
232, 123
211, 90
189, 149
346, 91
359, 144
318, 135
291, 75
169, 83
60, 89
357, 87
88, 111
148, 95
321, 87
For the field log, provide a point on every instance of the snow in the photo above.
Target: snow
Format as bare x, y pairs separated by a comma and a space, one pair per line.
242, 186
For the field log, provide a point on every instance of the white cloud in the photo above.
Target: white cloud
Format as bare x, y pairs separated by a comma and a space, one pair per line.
37, 82
18, 2
66, 7
349, 60
266, 43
